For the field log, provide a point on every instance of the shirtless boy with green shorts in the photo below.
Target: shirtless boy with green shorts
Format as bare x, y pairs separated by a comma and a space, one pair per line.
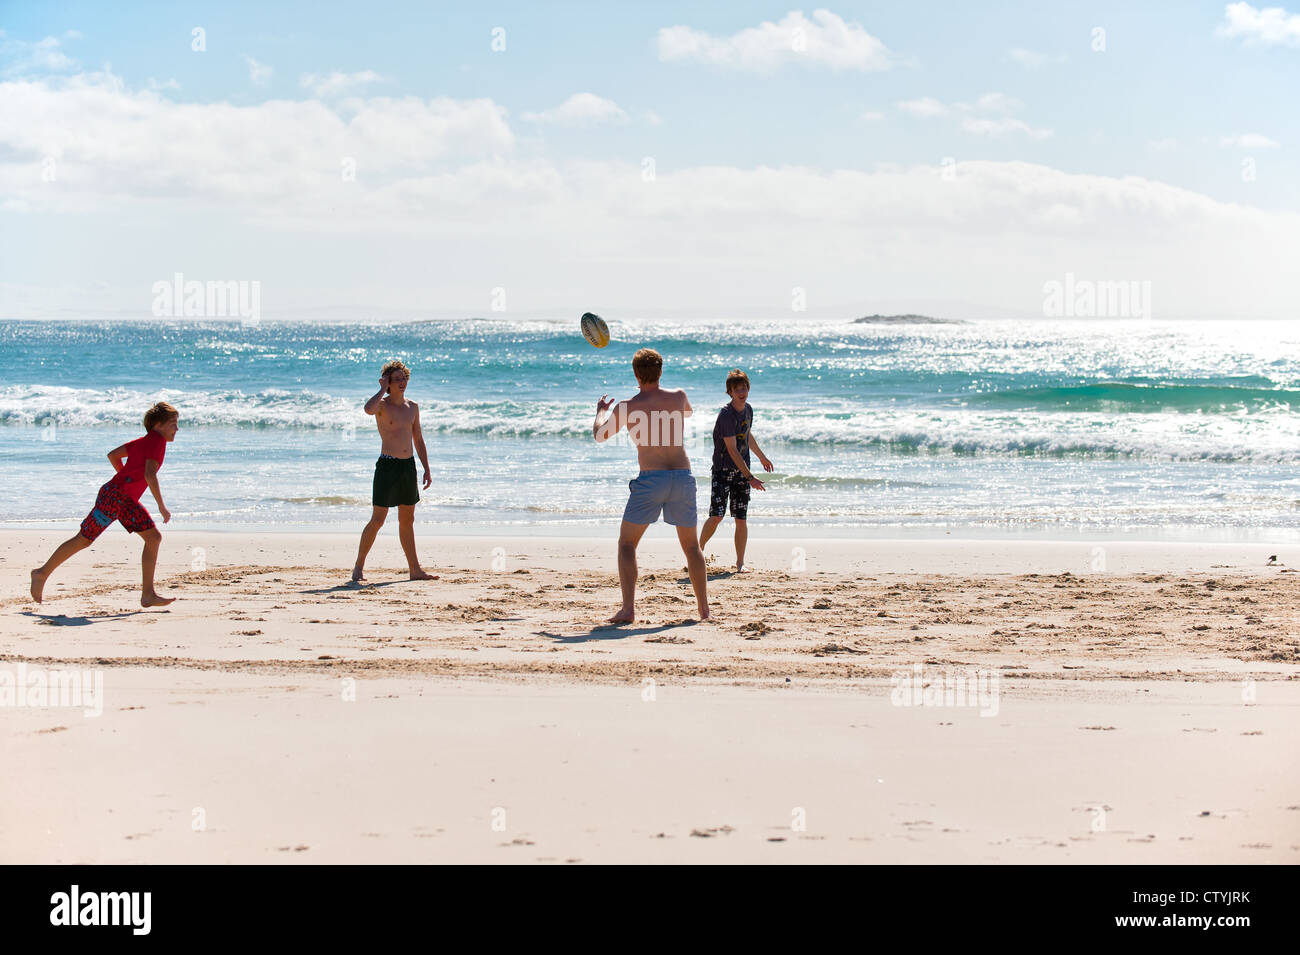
395, 485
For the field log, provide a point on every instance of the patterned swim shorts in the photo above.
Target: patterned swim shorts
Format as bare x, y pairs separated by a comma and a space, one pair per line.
114, 504
731, 484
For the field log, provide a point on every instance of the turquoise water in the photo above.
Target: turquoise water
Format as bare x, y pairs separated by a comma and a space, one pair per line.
1072, 427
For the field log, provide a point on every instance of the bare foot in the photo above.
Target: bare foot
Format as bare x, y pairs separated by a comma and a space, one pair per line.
623, 616
153, 600
419, 574
38, 585
358, 575
742, 569
704, 612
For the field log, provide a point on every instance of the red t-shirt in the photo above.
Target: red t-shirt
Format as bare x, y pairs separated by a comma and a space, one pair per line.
130, 479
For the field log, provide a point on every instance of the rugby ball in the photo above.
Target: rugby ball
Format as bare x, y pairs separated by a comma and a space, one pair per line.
595, 330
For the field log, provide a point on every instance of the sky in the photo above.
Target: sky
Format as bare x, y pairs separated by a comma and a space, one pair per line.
706, 160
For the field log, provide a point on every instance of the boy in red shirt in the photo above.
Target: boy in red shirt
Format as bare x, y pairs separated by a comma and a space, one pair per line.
136, 463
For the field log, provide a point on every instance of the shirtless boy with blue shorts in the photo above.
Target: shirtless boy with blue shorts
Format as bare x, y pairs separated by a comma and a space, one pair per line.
654, 419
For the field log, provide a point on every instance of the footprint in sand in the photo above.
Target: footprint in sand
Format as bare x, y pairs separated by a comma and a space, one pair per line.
710, 833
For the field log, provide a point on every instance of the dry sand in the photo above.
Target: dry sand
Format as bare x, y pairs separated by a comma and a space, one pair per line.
1146, 709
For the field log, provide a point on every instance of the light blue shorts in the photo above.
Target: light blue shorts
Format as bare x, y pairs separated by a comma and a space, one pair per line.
672, 492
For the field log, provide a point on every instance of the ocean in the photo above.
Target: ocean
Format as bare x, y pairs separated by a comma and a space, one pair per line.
1072, 428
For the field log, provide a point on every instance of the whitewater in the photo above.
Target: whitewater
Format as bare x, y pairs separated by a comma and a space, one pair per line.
1077, 427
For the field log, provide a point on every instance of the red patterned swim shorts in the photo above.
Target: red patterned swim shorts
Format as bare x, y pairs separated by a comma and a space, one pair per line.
111, 505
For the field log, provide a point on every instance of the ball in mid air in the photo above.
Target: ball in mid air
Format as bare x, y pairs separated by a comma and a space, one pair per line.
595, 330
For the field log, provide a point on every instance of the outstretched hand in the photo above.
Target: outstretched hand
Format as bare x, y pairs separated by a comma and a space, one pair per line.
767, 465
756, 484
604, 402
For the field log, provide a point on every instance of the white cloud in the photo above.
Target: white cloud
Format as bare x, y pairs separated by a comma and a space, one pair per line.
871, 116
1248, 141
995, 103
652, 118
982, 126
825, 40
337, 84
259, 74
1272, 26
118, 144
1031, 60
41, 56
112, 141
580, 109
926, 106
437, 181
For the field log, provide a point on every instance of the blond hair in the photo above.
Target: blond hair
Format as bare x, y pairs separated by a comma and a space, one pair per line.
396, 365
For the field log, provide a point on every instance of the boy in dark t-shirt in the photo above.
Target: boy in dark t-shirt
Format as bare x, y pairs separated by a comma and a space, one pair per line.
732, 479
136, 463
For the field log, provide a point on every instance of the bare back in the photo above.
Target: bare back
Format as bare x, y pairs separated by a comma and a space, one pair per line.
655, 421
396, 423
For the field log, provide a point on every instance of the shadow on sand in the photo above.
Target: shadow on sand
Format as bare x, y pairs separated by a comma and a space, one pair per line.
612, 631
61, 620
355, 586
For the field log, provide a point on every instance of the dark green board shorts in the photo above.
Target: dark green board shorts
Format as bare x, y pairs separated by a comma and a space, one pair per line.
395, 482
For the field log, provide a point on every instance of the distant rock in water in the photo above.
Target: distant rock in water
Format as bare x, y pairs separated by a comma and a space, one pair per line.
907, 320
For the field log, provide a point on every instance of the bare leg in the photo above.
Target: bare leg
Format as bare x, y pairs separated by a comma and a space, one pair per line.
368, 535
148, 561
710, 526
742, 538
629, 536
406, 534
72, 545
695, 565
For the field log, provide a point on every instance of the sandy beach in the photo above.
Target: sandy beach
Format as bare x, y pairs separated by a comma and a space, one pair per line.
1137, 703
